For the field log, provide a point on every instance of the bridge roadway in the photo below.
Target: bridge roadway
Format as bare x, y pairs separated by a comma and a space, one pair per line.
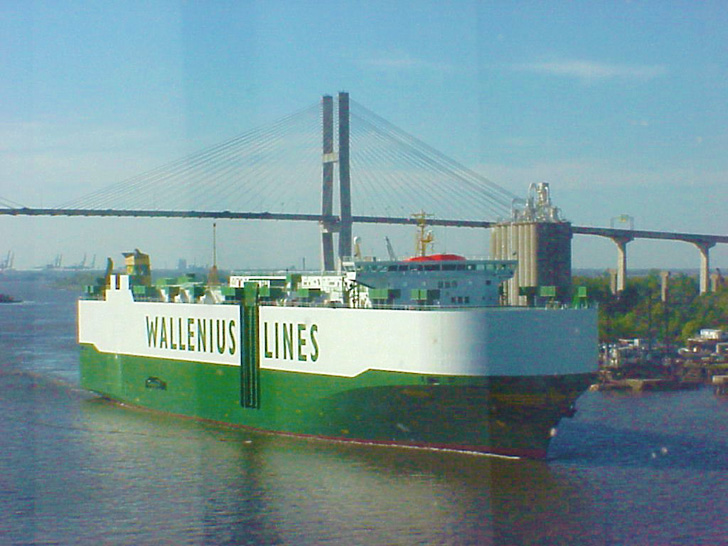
332, 220
620, 236
623, 236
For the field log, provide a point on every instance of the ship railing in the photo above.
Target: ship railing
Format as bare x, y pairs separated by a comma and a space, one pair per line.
411, 307
340, 305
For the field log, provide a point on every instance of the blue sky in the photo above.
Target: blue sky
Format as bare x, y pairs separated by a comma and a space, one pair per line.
621, 106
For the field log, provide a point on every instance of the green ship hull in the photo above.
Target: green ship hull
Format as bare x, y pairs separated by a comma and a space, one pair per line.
505, 415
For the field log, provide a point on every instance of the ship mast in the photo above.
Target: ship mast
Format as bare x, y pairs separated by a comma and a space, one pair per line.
213, 277
425, 238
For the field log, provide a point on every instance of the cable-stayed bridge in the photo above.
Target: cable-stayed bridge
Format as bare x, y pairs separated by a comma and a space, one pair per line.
276, 172
288, 171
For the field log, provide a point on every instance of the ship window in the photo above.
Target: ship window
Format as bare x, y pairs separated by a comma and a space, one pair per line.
461, 267
403, 268
432, 267
449, 267
439, 284
471, 267
467, 299
488, 282
454, 284
392, 268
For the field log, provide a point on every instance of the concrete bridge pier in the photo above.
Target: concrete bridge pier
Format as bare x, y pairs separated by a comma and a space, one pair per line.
704, 248
621, 242
345, 237
664, 285
330, 158
327, 189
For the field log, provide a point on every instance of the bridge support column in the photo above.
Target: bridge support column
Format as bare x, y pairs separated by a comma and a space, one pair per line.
344, 178
664, 285
327, 190
621, 243
704, 248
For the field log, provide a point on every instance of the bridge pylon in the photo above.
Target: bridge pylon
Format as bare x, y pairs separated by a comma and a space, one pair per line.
344, 179
327, 191
329, 226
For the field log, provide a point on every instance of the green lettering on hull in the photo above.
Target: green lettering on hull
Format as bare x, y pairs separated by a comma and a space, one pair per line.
191, 334
301, 346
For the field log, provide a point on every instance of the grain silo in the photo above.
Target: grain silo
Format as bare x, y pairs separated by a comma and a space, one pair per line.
541, 242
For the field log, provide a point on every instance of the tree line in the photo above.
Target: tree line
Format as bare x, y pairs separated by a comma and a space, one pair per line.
639, 311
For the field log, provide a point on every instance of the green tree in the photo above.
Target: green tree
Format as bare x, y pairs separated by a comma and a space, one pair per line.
639, 312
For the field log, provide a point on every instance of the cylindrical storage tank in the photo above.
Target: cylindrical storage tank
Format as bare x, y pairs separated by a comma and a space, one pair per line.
543, 251
522, 263
528, 258
532, 246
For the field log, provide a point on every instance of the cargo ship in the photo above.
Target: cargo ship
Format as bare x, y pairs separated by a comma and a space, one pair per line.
417, 352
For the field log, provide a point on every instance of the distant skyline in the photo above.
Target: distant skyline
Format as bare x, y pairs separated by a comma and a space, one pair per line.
622, 107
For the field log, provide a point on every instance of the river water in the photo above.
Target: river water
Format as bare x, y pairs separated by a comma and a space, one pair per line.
74, 469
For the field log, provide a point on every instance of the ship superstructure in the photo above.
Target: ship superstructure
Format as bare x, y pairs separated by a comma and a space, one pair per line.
441, 280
